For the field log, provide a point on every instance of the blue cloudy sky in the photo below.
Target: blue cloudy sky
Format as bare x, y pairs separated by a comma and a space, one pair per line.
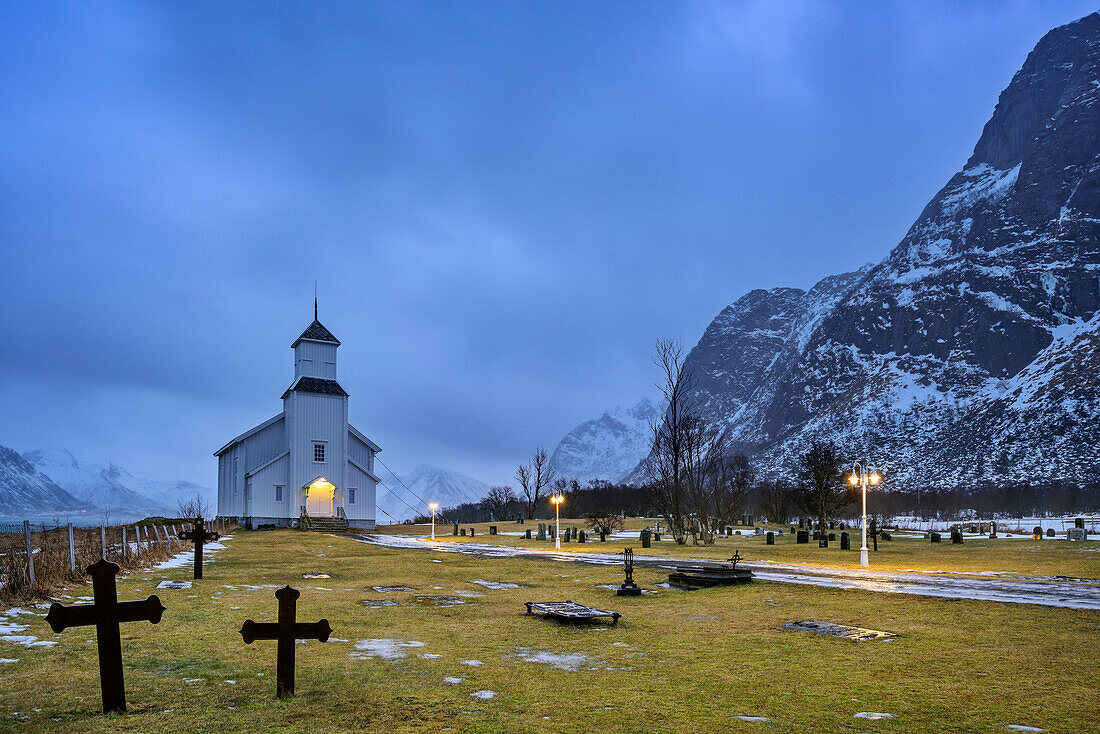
503, 204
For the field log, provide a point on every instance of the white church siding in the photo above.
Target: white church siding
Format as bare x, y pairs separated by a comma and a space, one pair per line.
317, 419
264, 508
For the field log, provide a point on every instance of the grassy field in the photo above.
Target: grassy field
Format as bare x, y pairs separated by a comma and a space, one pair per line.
1008, 555
678, 661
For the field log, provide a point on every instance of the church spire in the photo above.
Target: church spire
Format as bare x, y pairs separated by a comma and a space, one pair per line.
314, 299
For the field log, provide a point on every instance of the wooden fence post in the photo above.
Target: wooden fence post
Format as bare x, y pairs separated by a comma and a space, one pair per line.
103, 540
125, 549
72, 550
30, 553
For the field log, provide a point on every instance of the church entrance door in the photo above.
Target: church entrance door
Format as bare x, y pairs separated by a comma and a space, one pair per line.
319, 495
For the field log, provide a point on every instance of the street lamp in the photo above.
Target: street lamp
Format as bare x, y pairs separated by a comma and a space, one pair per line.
557, 499
862, 476
434, 506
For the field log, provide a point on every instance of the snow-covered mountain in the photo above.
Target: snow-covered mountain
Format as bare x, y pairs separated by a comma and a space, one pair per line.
26, 491
448, 488
607, 447
969, 354
111, 487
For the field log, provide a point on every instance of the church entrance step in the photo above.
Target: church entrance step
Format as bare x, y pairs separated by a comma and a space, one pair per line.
327, 524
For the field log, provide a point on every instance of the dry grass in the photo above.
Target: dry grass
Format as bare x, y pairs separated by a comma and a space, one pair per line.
678, 661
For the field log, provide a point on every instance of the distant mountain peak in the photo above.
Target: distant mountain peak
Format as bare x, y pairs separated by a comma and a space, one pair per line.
608, 447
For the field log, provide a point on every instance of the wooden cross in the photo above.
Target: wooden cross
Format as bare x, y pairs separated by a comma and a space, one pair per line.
106, 614
200, 536
286, 631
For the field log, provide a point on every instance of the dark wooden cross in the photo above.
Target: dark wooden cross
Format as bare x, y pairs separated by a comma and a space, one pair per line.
200, 536
736, 557
106, 614
286, 631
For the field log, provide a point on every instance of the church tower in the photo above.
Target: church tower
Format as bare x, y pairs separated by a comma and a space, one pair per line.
316, 410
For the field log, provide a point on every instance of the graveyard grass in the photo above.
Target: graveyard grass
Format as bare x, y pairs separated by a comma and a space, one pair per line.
678, 661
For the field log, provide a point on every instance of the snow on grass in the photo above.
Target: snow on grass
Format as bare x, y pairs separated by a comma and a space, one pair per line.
571, 662
9, 630
872, 715
761, 719
483, 695
385, 648
474, 663
496, 584
453, 680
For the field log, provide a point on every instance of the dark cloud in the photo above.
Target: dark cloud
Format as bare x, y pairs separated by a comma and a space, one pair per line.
504, 205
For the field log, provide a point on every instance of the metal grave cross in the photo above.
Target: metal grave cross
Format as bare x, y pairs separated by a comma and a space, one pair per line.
286, 631
200, 536
629, 588
735, 558
106, 614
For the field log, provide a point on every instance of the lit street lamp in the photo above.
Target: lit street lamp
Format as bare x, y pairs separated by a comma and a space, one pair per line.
434, 506
557, 499
862, 476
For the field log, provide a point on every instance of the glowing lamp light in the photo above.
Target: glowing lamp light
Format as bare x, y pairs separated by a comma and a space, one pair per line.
853, 479
433, 505
875, 477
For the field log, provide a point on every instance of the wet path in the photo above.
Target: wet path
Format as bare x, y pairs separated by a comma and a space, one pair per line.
1010, 588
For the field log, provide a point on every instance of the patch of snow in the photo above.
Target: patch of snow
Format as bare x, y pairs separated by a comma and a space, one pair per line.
483, 695
385, 648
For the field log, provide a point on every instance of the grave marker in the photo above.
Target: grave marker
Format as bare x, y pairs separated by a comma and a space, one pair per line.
845, 541
629, 588
199, 535
285, 631
106, 613
769, 539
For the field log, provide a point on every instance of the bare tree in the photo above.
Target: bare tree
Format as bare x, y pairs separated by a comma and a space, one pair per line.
604, 522
665, 467
821, 490
498, 502
527, 486
193, 508
735, 477
776, 501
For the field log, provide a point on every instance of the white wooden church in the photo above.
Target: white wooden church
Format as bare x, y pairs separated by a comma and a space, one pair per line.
307, 462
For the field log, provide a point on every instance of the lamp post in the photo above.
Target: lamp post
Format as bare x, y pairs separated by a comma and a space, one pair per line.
557, 499
434, 506
862, 476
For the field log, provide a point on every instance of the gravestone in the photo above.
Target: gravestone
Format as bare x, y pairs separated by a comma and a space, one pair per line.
106, 614
729, 531
542, 531
527, 534
769, 539
286, 631
1076, 533
934, 537
1050, 532
471, 532
565, 536
832, 525
802, 537
568, 611
792, 529
657, 537
993, 530
199, 536
832, 536
629, 587
823, 542
855, 634
956, 536
455, 532
462, 532
816, 535
1036, 533
582, 537
759, 531
1079, 522
845, 541
603, 536
492, 530
646, 538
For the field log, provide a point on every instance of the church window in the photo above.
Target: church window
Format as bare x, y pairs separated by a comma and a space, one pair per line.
318, 452
278, 493
351, 496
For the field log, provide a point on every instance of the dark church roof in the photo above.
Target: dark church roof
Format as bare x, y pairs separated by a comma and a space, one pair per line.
316, 385
318, 333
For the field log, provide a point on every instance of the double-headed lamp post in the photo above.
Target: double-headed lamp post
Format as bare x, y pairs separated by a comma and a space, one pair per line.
434, 506
862, 476
557, 499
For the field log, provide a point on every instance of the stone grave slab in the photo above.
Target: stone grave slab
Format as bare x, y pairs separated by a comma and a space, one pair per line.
372, 603
174, 585
439, 601
385, 589
843, 631
316, 576
570, 611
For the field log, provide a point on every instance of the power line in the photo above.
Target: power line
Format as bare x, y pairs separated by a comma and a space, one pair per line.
414, 494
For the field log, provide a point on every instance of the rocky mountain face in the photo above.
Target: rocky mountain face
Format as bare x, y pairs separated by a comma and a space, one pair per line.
969, 354
26, 491
607, 447
448, 488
